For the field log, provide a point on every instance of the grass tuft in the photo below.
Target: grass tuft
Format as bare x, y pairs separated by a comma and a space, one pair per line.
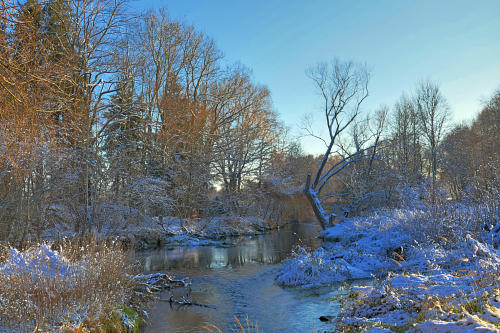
80, 286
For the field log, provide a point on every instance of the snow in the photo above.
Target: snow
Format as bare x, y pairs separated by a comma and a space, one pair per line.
429, 282
190, 241
470, 324
442, 302
41, 261
215, 231
354, 249
129, 224
385, 241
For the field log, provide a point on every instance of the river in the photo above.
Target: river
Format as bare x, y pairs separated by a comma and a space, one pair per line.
239, 281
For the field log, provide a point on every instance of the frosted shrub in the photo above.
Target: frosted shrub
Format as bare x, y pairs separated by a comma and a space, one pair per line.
309, 269
305, 268
46, 289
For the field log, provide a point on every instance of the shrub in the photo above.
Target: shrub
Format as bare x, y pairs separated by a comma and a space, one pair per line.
80, 284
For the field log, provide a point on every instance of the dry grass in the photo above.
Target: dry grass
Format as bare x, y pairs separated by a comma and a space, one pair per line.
246, 327
93, 283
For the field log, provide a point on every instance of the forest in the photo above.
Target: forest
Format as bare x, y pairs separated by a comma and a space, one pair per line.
123, 132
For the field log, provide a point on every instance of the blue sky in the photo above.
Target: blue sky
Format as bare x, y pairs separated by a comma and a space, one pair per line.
454, 43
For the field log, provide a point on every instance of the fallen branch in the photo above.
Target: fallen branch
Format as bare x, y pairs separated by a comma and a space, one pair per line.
184, 301
152, 283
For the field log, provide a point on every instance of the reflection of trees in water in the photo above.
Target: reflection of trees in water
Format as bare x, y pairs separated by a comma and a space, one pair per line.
249, 289
265, 249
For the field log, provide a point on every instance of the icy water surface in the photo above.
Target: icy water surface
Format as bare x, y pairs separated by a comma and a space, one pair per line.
239, 280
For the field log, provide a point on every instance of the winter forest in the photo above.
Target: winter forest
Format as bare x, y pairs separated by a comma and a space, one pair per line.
148, 184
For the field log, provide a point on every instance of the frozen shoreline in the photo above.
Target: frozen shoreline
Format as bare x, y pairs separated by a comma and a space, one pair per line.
428, 284
173, 231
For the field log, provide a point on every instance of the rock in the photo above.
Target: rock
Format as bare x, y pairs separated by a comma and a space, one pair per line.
326, 318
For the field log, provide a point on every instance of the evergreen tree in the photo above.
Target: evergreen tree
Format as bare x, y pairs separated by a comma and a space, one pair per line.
122, 138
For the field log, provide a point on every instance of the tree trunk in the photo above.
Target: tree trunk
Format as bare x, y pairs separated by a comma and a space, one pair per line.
312, 196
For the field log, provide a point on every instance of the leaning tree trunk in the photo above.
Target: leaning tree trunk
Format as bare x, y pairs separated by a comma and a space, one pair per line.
312, 196
344, 86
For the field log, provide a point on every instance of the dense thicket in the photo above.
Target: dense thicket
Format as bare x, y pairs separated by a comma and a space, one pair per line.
102, 112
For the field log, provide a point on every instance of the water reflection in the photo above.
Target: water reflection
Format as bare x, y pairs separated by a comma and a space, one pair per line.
263, 249
239, 280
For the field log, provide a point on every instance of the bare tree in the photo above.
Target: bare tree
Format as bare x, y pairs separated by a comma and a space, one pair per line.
459, 158
91, 113
434, 115
246, 132
369, 182
405, 134
33, 81
343, 87
97, 27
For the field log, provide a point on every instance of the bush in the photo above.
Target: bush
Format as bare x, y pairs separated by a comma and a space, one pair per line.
81, 284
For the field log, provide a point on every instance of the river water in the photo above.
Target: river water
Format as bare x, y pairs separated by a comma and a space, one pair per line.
239, 281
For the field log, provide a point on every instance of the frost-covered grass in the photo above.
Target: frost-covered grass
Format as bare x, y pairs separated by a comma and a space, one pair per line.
438, 267
467, 301
405, 239
79, 285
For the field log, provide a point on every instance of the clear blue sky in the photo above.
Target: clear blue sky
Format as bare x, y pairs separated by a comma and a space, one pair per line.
455, 43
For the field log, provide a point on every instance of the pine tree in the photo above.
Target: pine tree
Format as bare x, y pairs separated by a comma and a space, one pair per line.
122, 141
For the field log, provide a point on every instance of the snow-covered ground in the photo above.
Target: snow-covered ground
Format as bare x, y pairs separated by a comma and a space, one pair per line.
146, 232
434, 272
466, 301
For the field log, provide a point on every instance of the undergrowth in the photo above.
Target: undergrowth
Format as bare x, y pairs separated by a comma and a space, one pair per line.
74, 285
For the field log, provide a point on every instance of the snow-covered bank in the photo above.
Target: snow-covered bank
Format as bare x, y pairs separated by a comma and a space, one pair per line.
420, 257
215, 231
392, 240
467, 301
147, 232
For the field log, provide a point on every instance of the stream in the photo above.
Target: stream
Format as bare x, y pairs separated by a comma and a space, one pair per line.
239, 281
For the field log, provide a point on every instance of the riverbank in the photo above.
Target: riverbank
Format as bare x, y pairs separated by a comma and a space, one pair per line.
64, 283
211, 231
436, 270
78, 285
171, 231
